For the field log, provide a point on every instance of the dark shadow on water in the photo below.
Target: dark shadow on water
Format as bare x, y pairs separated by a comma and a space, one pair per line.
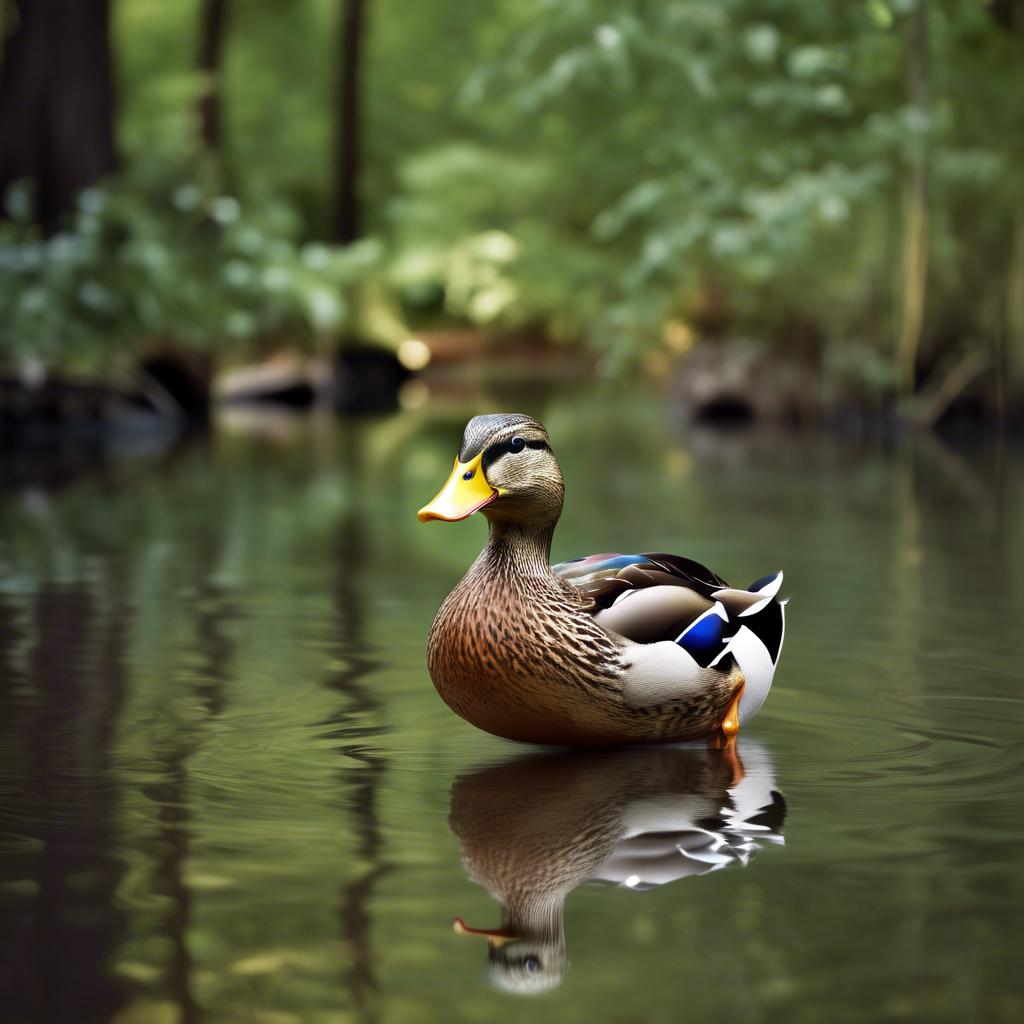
533, 829
59, 935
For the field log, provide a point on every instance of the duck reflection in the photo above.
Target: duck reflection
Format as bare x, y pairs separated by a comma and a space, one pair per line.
533, 829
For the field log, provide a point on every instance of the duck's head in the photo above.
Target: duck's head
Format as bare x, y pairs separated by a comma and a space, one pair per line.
505, 468
523, 960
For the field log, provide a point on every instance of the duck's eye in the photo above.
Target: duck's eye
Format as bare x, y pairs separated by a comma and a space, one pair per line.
517, 444
469, 474
532, 965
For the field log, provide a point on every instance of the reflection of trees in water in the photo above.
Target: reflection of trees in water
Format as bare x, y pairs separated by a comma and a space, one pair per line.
171, 794
64, 711
16, 908
60, 941
118, 545
356, 721
173, 817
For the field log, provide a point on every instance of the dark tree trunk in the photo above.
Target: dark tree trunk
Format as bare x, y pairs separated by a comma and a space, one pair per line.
212, 17
56, 100
915, 203
1009, 14
346, 192
1010, 356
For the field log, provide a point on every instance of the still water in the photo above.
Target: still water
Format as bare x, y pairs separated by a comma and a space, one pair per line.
228, 791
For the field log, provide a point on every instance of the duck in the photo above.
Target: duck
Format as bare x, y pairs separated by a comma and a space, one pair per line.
533, 829
599, 651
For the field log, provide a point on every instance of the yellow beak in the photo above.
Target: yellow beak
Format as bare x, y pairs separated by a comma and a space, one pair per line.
466, 492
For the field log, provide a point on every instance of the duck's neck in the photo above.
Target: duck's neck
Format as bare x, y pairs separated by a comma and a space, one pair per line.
534, 914
516, 550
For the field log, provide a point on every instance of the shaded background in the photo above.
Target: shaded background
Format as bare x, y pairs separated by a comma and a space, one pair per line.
822, 198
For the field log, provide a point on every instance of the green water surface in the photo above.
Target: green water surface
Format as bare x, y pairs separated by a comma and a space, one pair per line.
229, 793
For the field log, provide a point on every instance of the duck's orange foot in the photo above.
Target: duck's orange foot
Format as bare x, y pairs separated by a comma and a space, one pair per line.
731, 722
725, 738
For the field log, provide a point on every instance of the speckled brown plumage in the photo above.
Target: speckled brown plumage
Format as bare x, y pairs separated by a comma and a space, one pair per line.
514, 648
516, 653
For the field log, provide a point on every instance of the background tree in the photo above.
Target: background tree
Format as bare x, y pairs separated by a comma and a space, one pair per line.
212, 17
346, 188
56, 100
915, 196
839, 183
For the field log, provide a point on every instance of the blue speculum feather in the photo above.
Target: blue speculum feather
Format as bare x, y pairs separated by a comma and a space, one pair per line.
703, 640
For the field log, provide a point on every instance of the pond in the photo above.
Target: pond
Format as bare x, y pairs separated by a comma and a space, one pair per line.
229, 792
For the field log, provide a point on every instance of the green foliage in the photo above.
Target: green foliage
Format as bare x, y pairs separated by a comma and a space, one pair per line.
485, 248
165, 258
752, 153
587, 168
677, 142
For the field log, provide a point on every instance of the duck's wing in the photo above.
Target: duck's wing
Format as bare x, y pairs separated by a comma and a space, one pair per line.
666, 593
678, 848
698, 828
605, 577
652, 596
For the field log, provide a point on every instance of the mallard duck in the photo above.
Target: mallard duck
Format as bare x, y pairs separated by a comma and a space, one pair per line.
531, 830
598, 651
